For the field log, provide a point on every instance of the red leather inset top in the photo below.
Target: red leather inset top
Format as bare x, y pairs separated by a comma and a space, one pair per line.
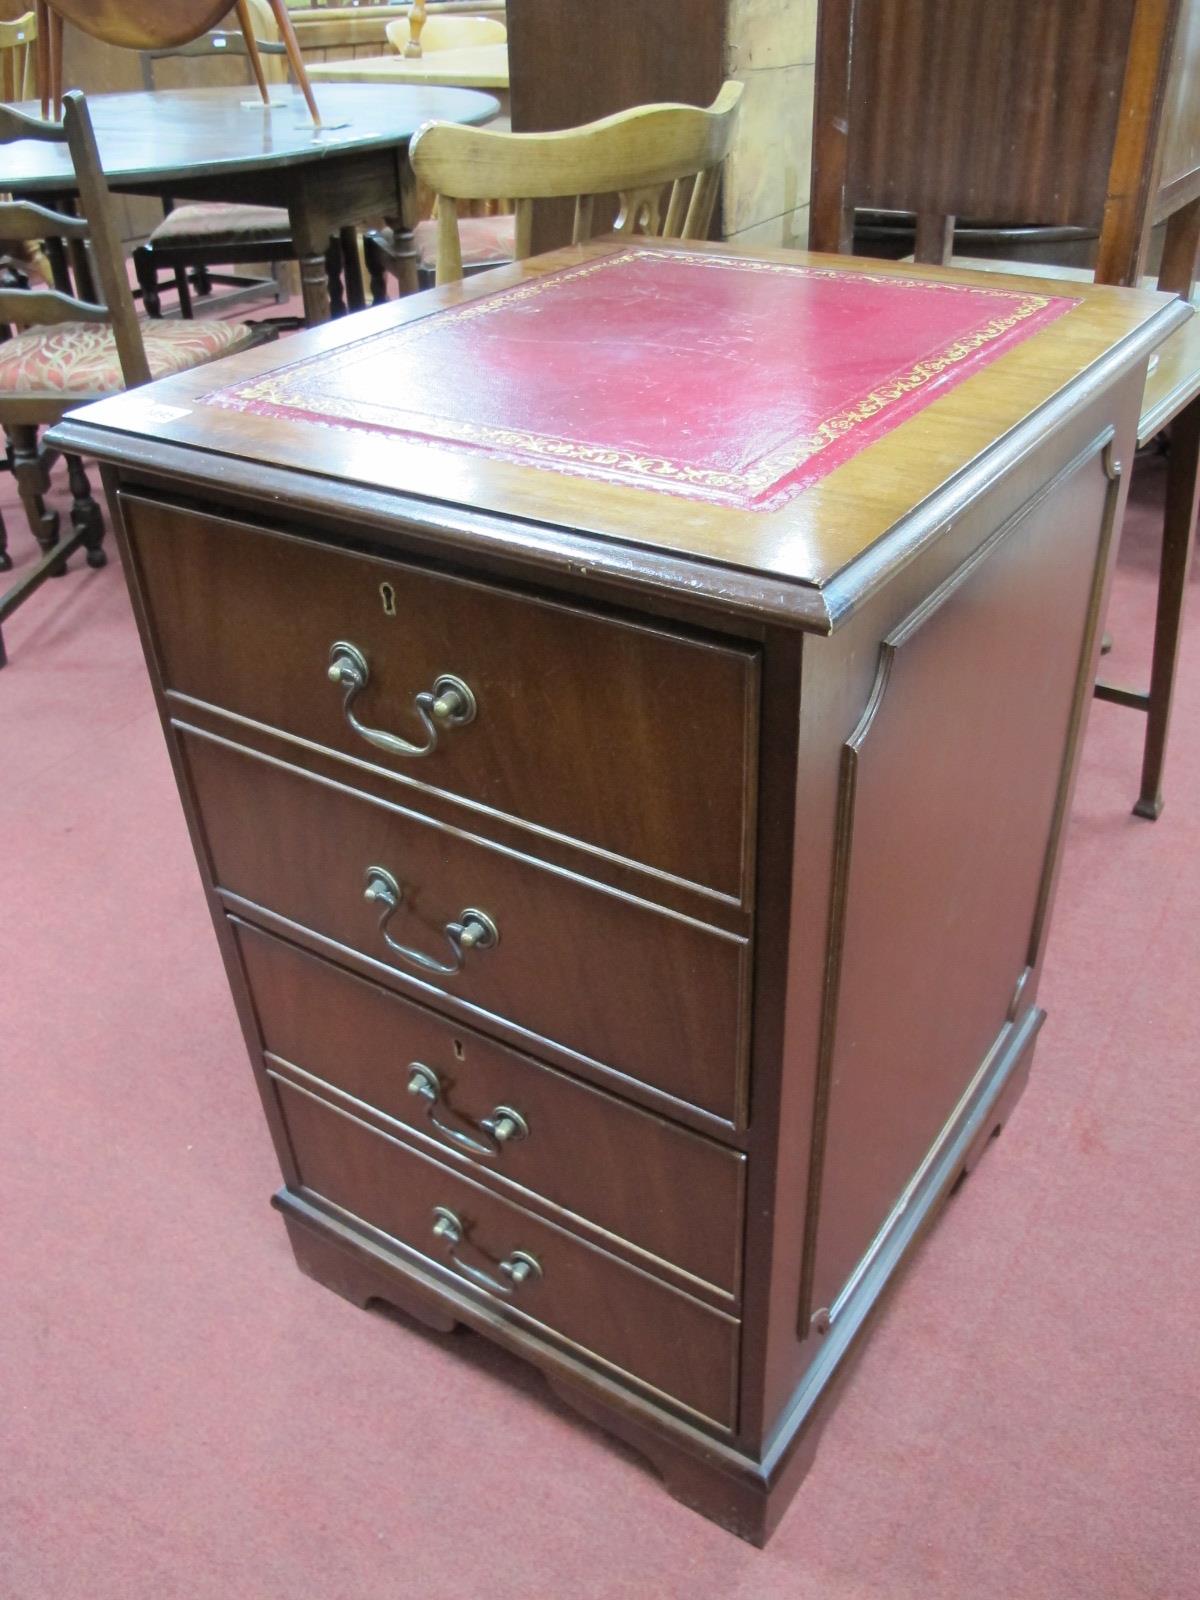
733, 380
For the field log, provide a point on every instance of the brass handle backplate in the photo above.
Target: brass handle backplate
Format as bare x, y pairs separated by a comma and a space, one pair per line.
518, 1266
474, 930
449, 704
504, 1126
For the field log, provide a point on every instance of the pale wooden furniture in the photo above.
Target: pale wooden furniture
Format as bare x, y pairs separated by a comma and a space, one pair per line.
419, 33
1104, 134
637, 154
339, 33
635, 890
76, 341
483, 66
209, 148
18, 58
157, 25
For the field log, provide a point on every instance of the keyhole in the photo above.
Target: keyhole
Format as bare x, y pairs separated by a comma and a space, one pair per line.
459, 1052
388, 596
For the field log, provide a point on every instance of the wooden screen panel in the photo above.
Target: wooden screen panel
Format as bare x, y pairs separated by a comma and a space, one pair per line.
994, 110
1180, 170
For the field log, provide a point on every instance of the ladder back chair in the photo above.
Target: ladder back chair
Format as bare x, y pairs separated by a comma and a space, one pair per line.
195, 238
1071, 113
76, 342
639, 155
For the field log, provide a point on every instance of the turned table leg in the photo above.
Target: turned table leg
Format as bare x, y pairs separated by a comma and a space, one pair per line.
404, 249
314, 287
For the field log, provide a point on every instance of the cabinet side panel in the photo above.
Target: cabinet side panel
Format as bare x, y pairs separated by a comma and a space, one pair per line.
952, 792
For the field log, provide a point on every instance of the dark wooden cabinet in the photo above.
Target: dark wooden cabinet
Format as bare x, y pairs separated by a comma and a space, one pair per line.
641, 1019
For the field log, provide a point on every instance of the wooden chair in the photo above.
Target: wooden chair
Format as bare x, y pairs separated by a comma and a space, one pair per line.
193, 239
419, 34
77, 343
155, 25
1072, 113
487, 236
18, 58
637, 155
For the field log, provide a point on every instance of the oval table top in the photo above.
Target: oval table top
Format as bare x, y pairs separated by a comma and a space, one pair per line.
151, 136
481, 66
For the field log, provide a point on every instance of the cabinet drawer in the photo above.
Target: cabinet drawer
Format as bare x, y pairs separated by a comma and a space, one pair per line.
650, 994
670, 1192
631, 739
607, 1309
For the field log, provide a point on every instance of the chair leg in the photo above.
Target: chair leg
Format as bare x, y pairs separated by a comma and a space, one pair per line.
356, 294
333, 272
184, 293
86, 516
5, 558
1179, 522
376, 269
30, 468
147, 277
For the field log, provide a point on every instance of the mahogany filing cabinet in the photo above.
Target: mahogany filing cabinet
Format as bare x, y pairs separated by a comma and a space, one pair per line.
626, 707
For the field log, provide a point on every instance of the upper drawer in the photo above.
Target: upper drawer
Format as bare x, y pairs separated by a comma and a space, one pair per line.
624, 983
630, 739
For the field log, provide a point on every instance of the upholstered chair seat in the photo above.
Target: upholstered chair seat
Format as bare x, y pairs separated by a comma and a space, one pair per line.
80, 358
212, 222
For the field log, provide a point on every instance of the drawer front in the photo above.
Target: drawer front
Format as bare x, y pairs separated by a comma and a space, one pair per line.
654, 996
612, 1311
633, 740
670, 1192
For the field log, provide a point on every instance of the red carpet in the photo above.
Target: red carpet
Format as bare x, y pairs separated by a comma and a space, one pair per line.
183, 1416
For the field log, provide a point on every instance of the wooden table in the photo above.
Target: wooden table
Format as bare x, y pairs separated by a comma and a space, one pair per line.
222, 144
627, 707
483, 66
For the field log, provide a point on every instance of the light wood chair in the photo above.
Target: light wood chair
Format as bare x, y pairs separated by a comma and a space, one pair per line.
155, 25
77, 342
419, 34
1104, 135
18, 58
663, 162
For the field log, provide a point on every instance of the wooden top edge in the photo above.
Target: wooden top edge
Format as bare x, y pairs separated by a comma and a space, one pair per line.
806, 564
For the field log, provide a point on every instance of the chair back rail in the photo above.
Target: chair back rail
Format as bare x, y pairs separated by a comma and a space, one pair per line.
634, 154
23, 219
46, 308
105, 258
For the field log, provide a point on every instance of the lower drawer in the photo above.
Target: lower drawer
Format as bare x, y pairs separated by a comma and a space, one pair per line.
604, 1309
670, 1192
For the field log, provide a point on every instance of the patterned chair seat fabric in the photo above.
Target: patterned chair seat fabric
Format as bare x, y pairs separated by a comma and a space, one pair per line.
80, 358
485, 241
215, 223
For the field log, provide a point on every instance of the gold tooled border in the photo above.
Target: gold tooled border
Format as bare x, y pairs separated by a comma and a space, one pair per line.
277, 388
